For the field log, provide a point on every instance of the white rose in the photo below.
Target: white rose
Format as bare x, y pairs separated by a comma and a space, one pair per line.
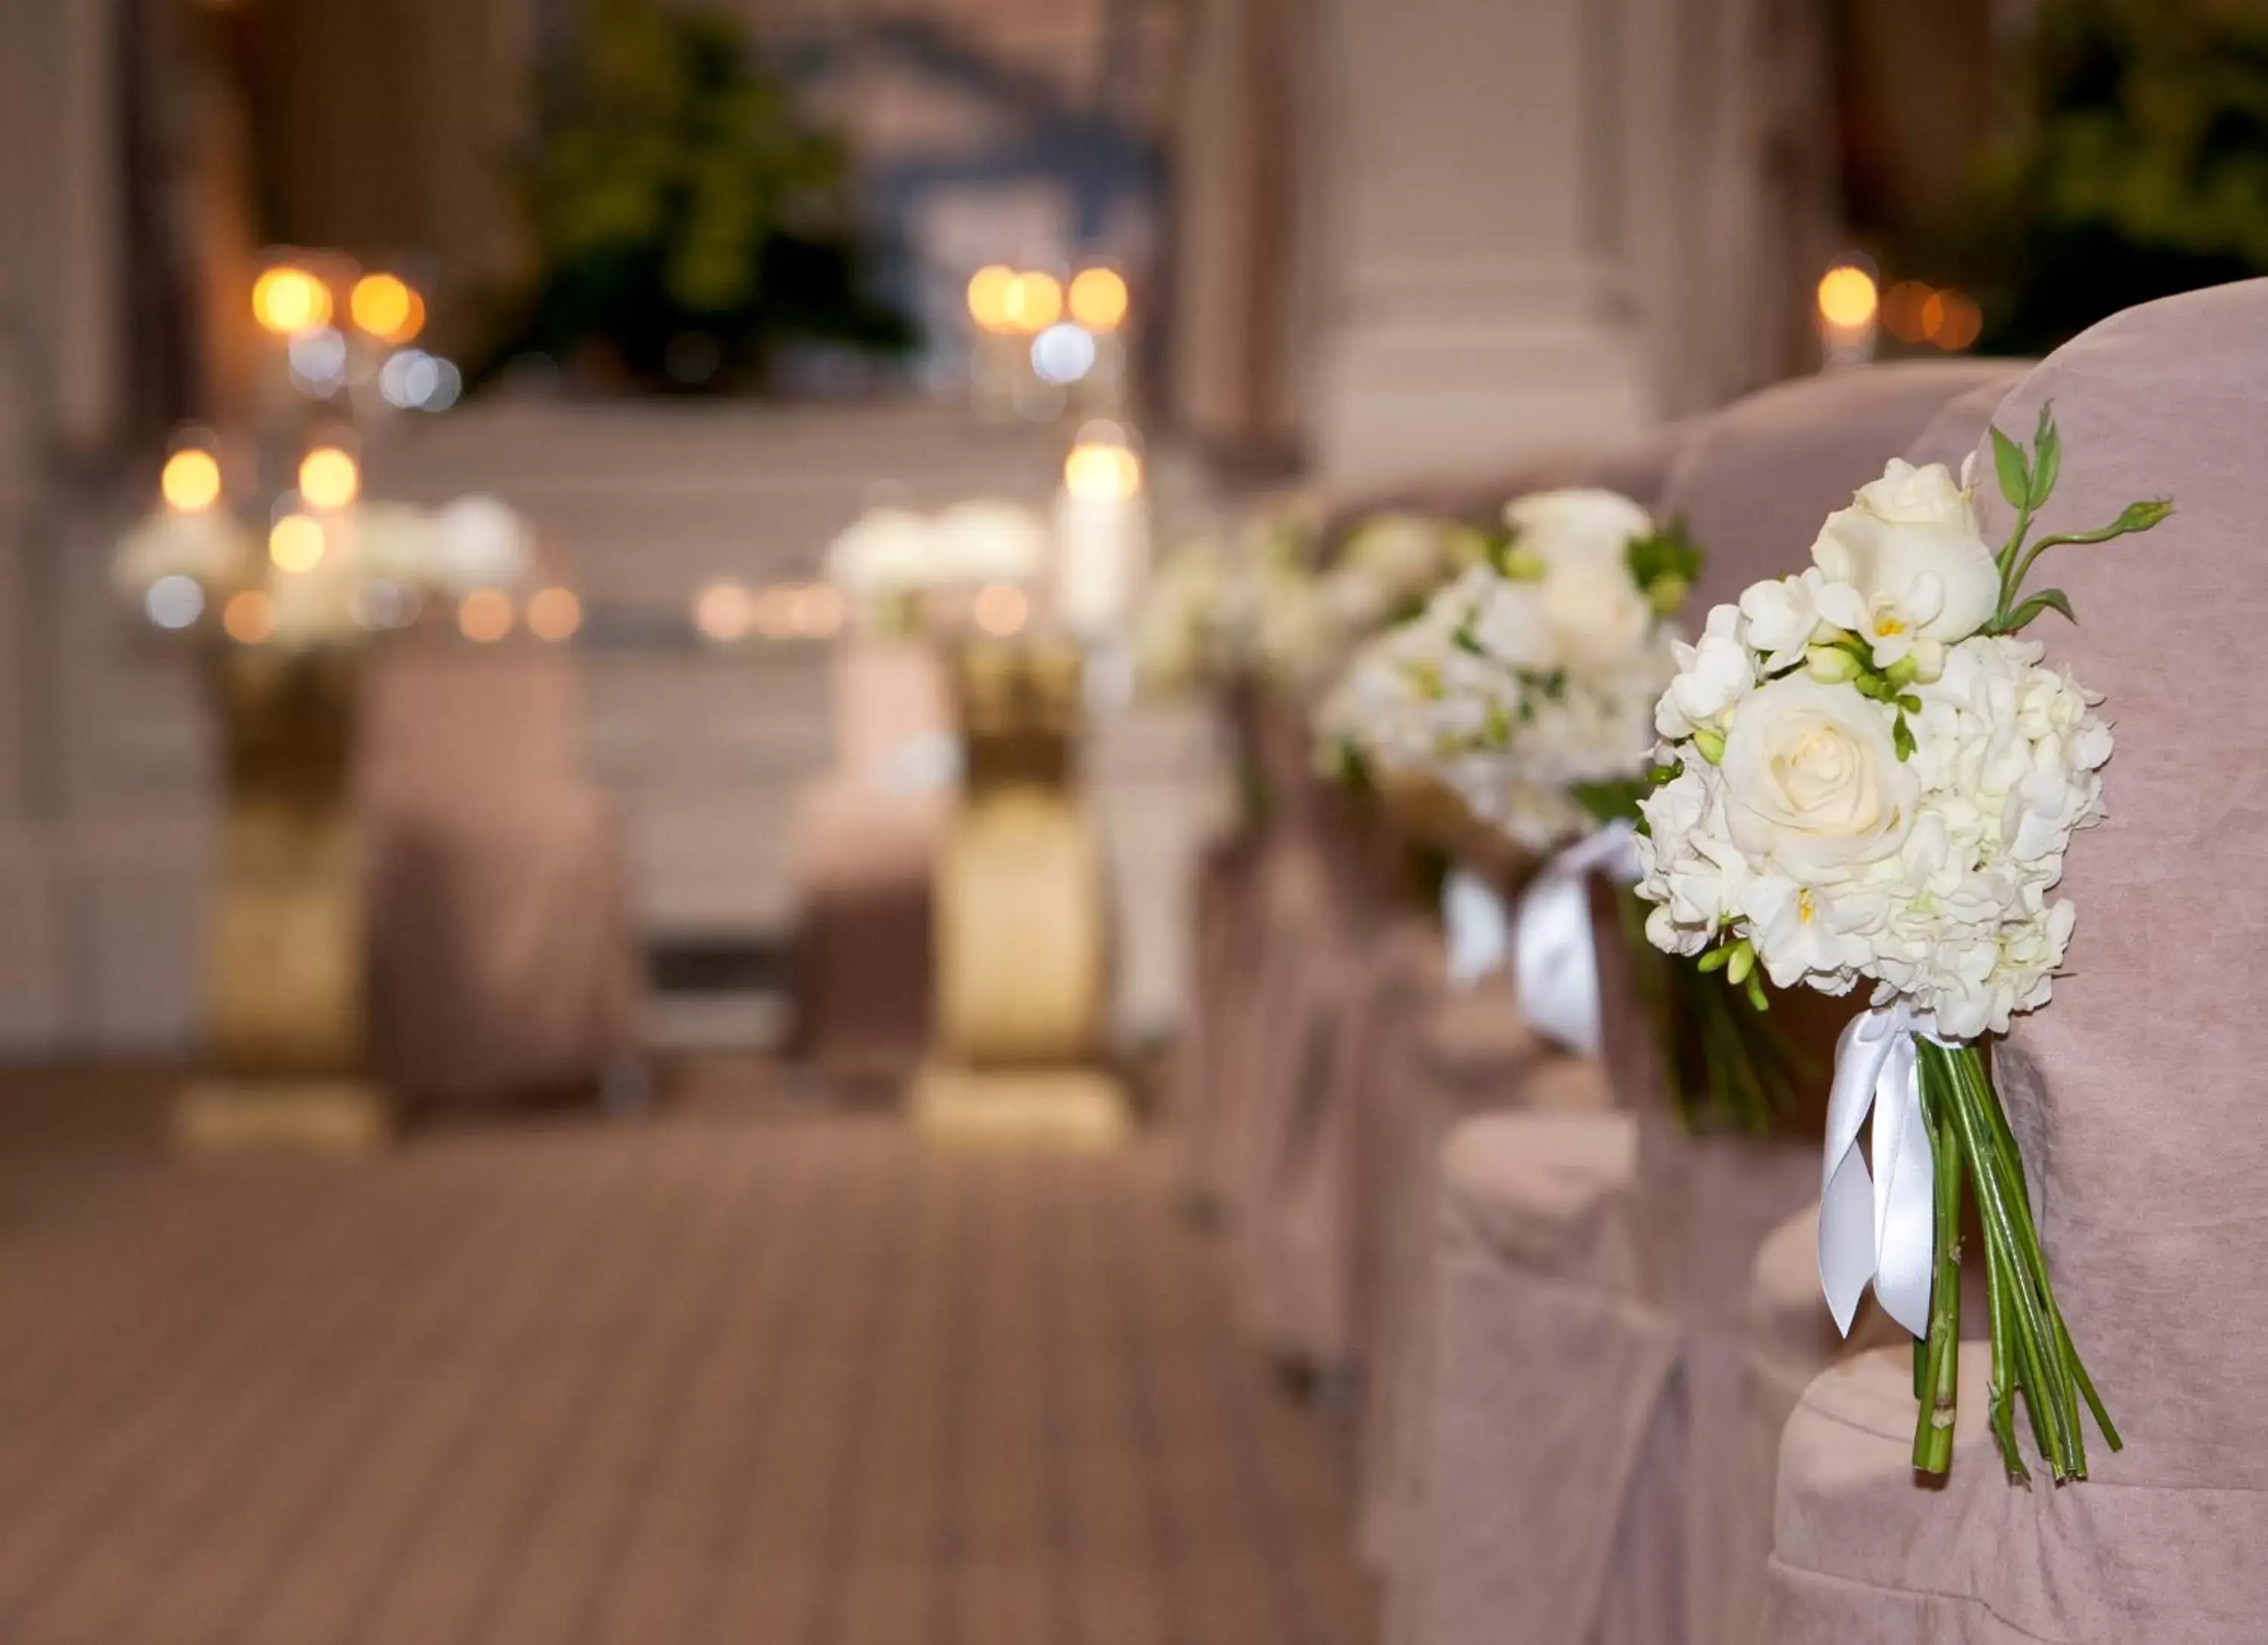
1905, 562
1814, 783
1578, 526
1711, 676
1511, 624
1598, 615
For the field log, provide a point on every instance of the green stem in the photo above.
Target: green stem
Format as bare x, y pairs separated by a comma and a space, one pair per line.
2050, 1397
2027, 1231
2010, 581
1940, 1391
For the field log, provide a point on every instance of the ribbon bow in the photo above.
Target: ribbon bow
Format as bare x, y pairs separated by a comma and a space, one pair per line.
1878, 1226
1476, 925
1556, 961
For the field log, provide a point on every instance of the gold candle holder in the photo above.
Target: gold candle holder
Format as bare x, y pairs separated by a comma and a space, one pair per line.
287, 1061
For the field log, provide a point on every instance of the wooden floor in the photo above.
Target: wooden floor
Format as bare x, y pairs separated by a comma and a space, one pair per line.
747, 1372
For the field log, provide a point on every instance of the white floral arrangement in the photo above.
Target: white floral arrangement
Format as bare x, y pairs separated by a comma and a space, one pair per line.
1529, 681
888, 557
1872, 778
1308, 624
1526, 690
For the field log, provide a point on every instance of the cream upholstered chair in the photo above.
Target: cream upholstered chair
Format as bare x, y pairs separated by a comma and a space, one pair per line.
503, 962
1304, 1235
1591, 1272
1446, 1055
866, 836
2136, 1091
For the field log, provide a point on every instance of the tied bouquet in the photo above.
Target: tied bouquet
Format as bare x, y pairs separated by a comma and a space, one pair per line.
1525, 689
1870, 775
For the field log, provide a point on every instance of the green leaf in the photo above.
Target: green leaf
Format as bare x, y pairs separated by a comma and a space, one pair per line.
1667, 558
2046, 599
2047, 457
1610, 802
2014, 473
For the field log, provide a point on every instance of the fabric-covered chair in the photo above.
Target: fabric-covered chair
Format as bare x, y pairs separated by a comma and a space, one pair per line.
1591, 1273
866, 838
502, 959
2136, 1092
1309, 1240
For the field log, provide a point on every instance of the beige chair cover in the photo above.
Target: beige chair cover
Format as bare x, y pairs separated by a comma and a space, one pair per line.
1592, 1277
2137, 1092
866, 838
503, 958
1310, 1239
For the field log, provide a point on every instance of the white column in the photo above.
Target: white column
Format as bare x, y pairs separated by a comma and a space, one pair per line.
1473, 182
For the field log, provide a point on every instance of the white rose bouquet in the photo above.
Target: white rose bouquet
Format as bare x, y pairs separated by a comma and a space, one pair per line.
1871, 776
1526, 689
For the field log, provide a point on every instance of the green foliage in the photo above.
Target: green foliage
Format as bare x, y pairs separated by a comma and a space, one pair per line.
2140, 168
674, 193
1665, 564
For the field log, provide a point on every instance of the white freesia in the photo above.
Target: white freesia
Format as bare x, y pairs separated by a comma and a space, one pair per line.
1712, 674
1906, 563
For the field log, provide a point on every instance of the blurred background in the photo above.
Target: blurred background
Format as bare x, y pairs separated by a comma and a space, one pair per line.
696, 288
565, 574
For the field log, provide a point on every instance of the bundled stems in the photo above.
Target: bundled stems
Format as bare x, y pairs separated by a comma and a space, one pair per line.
1725, 1065
1973, 1150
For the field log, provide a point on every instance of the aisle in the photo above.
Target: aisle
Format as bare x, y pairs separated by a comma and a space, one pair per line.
738, 1375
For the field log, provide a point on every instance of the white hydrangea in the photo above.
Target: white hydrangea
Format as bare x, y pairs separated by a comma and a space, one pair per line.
1804, 821
1514, 687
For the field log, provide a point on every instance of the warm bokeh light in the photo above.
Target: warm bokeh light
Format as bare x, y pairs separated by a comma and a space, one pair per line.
287, 300
249, 616
295, 543
818, 611
1099, 472
989, 292
1848, 297
554, 614
329, 477
190, 480
723, 611
1901, 310
1000, 608
1951, 320
484, 616
387, 308
773, 613
1035, 301
1097, 298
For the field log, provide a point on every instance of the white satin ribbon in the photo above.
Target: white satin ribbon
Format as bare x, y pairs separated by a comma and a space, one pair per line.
1477, 925
1878, 1226
1555, 960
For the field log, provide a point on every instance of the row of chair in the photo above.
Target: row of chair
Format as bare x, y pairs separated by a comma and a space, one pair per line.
1588, 1344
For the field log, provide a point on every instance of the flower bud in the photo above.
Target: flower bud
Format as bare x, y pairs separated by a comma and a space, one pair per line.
1666, 593
1901, 674
1711, 744
1830, 665
1522, 565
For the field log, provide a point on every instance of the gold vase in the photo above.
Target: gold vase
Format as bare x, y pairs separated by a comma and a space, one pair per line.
286, 1020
